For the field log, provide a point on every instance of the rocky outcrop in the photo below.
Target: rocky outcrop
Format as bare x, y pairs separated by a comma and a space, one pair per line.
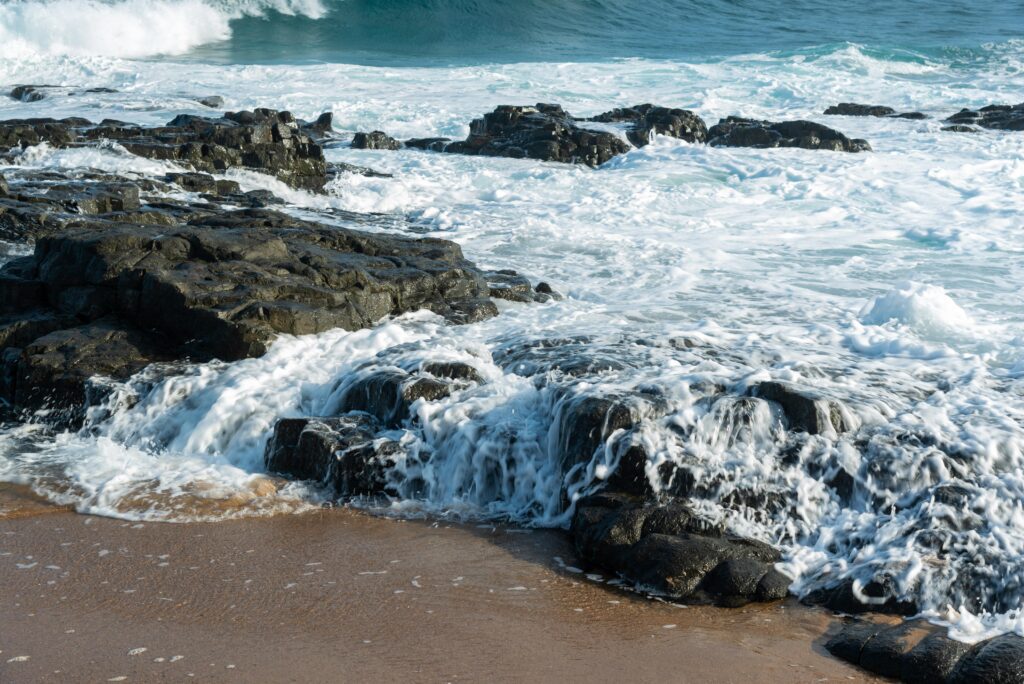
375, 140
999, 117
735, 131
918, 652
854, 109
263, 140
648, 119
545, 132
670, 551
222, 285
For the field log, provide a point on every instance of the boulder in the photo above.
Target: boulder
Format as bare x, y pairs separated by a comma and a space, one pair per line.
387, 395
375, 140
669, 550
1000, 117
648, 119
5, 189
342, 453
739, 132
545, 132
30, 93
921, 653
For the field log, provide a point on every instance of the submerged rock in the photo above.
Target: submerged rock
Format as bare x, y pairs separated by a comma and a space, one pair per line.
648, 119
211, 101
854, 109
30, 93
806, 410
375, 140
1000, 117
736, 131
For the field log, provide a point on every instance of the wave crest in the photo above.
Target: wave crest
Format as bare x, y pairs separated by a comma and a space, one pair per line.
128, 28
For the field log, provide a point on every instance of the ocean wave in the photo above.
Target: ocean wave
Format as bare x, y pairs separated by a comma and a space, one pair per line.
129, 28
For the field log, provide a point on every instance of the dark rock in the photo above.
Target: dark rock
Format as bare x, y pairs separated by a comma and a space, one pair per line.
774, 586
342, 453
53, 370
849, 642
221, 287
375, 140
804, 409
853, 109
264, 140
388, 395
1000, 117
996, 661
202, 182
27, 132
432, 144
882, 595
30, 93
322, 127
5, 189
886, 652
211, 101
648, 119
452, 370
960, 128
932, 659
335, 168
670, 551
739, 132
545, 132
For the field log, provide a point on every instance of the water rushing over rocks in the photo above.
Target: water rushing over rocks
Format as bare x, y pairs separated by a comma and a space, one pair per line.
729, 362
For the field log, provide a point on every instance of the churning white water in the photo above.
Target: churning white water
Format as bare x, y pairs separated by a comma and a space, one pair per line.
891, 281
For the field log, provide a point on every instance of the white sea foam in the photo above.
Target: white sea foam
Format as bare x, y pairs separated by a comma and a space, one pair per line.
127, 28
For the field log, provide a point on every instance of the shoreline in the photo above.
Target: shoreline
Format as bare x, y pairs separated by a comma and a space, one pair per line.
338, 593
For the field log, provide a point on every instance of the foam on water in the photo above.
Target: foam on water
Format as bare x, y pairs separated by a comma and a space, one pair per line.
889, 281
127, 28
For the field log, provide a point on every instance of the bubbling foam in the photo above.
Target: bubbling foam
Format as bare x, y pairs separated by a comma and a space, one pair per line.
128, 28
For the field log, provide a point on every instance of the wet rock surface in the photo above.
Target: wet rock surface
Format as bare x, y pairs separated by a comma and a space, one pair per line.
264, 140
916, 651
545, 132
999, 117
736, 131
854, 109
647, 120
375, 140
668, 549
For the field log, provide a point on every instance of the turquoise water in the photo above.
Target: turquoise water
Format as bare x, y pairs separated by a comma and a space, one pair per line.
407, 32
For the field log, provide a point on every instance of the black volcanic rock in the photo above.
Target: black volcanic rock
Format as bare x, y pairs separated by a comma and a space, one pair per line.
920, 653
648, 119
854, 109
668, 549
375, 140
1000, 117
264, 140
222, 286
739, 132
545, 132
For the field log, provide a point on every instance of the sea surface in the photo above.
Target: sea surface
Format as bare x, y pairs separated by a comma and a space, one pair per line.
892, 281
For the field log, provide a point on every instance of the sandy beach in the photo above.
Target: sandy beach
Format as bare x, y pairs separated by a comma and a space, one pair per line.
340, 596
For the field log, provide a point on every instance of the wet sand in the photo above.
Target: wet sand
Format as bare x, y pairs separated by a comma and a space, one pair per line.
340, 596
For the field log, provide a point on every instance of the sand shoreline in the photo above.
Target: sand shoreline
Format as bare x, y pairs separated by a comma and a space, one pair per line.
343, 596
